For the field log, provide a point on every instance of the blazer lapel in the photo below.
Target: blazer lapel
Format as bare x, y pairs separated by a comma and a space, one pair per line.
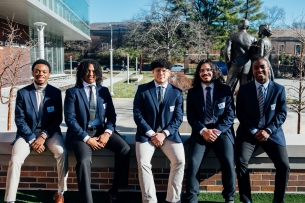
99, 102
153, 93
268, 96
47, 95
201, 101
167, 94
84, 96
34, 99
253, 98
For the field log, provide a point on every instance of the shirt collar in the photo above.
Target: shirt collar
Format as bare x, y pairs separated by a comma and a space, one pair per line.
257, 84
86, 84
204, 86
42, 88
157, 85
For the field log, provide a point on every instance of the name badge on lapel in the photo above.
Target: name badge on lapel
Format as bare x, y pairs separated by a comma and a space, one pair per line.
50, 109
105, 105
171, 108
221, 105
272, 106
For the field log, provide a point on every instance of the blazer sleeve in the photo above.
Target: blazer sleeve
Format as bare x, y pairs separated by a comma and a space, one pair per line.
23, 129
52, 126
226, 120
192, 112
241, 105
138, 108
110, 112
70, 116
280, 112
177, 118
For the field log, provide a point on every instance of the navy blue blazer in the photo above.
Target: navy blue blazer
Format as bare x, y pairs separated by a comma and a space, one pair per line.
26, 112
223, 110
77, 116
247, 111
146, 109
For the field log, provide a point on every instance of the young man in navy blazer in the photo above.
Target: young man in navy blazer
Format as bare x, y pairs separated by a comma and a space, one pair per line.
158, 114
261, 111
210, 113
90, 117
38, 115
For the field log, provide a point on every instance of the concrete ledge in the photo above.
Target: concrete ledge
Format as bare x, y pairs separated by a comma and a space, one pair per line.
39, 170
260, 160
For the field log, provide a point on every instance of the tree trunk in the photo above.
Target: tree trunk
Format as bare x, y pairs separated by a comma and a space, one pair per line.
300, 89
9, 113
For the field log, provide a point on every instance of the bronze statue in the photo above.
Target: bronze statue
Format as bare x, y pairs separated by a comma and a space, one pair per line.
263, 47
237, 55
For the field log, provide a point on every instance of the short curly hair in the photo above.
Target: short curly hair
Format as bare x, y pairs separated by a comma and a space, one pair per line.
163, 63
217, 74
41, 61
82, 72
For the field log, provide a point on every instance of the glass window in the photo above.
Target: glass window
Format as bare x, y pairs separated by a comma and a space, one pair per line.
297, 49
54, 51
281, 48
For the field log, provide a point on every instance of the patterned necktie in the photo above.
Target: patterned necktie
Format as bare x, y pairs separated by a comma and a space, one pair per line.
92, 104
208, 105
40, 103
261, 100
160, 95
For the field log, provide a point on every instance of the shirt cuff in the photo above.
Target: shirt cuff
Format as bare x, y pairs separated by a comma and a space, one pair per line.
202, 130
270, 131
166, 132
150, 133
45, 134
32, 140
254, 131
108, 131
86, 138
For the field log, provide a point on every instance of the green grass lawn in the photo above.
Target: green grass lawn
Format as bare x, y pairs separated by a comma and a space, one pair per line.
43, 196
123, 90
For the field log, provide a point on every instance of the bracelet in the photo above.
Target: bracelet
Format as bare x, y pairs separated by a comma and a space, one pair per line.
42, 137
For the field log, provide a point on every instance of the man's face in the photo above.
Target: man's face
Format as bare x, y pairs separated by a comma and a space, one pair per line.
41, 74
206, 73
261, 71
90, 76
161, 75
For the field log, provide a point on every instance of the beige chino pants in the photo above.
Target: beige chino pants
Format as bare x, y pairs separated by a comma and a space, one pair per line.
21, 150
175, 153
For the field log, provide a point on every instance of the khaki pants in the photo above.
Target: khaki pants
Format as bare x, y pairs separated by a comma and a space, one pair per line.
21, 150
175, 153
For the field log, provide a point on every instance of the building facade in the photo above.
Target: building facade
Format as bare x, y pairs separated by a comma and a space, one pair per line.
65, 19
284, 41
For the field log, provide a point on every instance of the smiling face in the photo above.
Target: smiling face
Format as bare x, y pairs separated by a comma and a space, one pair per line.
90, 76
206, 73
261, 71
41, 74
161, 75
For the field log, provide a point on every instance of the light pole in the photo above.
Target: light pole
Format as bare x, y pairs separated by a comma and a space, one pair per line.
111, 63
40, 27
127, 68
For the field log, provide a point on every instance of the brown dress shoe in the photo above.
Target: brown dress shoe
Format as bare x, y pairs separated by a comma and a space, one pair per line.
59, 198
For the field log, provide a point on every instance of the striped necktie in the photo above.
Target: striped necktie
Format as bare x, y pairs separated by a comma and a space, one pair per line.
261, 100
160, 95
92, 103
208, 105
